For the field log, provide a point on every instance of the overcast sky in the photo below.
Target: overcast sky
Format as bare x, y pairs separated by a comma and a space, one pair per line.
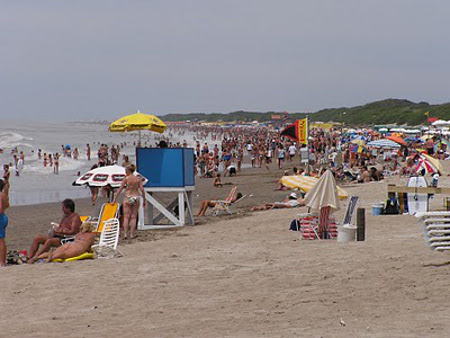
104, 58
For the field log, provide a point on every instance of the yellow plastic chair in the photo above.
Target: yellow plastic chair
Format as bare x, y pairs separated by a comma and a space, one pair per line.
108, 211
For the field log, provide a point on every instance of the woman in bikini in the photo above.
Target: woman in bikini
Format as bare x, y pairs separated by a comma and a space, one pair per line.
81, 244
132, 185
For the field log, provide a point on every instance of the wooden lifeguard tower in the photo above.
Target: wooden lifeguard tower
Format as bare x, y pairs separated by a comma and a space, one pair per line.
170, 171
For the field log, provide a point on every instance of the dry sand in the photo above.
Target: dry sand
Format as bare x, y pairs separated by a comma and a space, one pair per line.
240, 276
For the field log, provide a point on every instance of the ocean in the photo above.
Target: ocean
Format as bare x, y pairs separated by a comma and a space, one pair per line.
38, 184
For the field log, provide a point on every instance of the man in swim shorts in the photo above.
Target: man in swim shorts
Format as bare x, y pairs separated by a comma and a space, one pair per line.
70, 225
3, 223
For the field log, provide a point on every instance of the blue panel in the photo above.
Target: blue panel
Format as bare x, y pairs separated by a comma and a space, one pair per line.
188, 167
166, 167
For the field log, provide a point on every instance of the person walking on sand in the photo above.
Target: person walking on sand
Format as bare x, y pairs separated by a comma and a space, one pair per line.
88, 151
4, 204
132, 185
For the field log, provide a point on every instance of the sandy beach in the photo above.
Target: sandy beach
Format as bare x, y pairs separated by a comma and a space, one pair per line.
244, 275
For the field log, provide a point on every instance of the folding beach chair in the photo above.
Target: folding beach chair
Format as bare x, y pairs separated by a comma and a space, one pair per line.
108, 211
224, 205
348, 217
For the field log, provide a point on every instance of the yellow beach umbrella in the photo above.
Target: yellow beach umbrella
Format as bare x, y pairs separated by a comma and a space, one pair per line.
138, 122
306, 183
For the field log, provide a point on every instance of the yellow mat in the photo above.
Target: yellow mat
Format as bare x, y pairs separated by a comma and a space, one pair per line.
86, 255
305, 183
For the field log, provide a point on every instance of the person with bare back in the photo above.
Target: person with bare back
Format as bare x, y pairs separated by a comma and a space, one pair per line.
132, 185
4, 204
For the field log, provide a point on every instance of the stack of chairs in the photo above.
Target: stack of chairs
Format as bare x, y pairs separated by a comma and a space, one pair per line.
436, 229
308, 225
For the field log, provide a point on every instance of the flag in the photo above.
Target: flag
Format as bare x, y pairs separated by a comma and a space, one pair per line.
297, 131
427, 113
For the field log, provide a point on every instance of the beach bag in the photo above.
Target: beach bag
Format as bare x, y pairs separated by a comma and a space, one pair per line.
14, 257
391, 207
294, 225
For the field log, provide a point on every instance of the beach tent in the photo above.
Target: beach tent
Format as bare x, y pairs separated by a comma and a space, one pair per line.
384, 143
138, 122
306, 183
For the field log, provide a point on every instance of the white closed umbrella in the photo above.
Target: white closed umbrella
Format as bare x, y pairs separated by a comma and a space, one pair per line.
324, 193
324, 197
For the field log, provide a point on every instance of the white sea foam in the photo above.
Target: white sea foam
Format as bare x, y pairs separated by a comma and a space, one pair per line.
10, 140
38, 184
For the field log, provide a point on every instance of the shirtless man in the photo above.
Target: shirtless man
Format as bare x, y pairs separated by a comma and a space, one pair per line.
132, 185
81, 244
365, 175
70, 225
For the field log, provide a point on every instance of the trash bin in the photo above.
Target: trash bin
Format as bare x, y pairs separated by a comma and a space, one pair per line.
346, 233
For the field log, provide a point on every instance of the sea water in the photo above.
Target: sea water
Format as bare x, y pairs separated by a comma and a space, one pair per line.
38, 184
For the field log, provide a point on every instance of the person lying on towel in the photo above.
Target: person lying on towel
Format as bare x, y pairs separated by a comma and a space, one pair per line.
81, 244
290, 201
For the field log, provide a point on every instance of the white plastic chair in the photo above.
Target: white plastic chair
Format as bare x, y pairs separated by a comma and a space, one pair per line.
436, 230
109, 237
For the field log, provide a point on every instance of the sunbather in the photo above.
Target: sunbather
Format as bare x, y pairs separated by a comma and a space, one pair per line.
290, 201
81, 244
211, 204
70, 225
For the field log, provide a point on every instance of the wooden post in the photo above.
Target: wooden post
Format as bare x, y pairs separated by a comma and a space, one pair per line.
361, 224
401, 202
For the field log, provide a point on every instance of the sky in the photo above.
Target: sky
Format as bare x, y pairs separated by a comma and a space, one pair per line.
101, 59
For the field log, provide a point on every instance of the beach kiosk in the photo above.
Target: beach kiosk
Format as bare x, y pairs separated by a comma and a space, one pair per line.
170, 171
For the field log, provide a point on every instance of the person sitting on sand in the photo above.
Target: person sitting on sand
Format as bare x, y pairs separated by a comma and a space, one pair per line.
70, 225
218, 183
82, 243
290, 201
212, 203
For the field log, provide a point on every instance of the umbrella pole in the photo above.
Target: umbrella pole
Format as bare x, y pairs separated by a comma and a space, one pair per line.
139, 144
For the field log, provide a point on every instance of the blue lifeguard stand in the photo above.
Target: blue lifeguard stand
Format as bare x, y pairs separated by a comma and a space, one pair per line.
168, 170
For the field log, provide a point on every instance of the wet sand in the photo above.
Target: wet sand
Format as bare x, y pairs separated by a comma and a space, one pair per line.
244, 275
